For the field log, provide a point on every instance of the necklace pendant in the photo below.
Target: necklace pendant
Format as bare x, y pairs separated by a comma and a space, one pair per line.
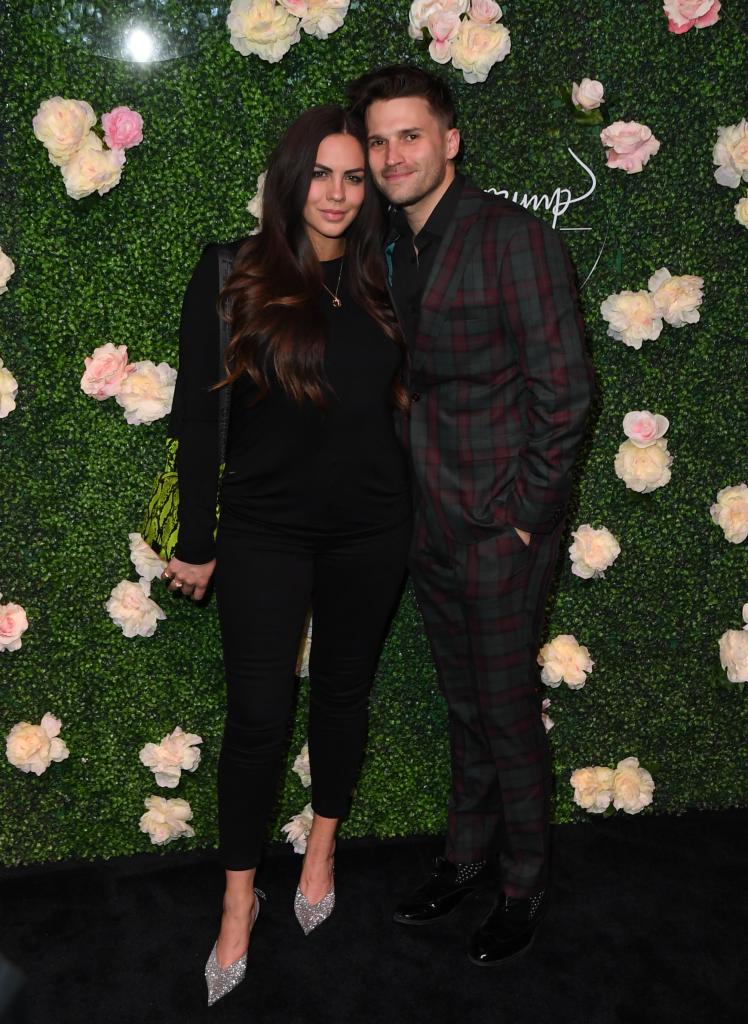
336, 302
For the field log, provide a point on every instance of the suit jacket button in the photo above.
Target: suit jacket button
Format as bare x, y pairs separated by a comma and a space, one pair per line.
415, 397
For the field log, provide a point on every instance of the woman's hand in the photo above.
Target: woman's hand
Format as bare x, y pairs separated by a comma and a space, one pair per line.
188, 579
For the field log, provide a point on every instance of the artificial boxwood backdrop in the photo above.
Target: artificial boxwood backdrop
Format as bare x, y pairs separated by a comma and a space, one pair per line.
75, 476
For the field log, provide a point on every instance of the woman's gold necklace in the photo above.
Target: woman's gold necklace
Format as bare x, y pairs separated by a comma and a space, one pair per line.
337, 303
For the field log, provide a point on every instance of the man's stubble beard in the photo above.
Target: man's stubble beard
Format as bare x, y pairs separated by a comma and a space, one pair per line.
423, 191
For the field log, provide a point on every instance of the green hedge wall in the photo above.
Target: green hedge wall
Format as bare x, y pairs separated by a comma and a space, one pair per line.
113, 268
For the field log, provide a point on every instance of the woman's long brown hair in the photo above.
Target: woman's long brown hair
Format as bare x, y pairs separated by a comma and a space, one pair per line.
278, 330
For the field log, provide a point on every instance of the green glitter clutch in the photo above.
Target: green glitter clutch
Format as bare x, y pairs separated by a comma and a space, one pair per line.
161, 522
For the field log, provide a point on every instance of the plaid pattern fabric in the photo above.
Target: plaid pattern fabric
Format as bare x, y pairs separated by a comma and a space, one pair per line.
501, 385
501, 374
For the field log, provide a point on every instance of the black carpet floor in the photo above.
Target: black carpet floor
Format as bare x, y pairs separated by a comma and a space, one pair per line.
646, 924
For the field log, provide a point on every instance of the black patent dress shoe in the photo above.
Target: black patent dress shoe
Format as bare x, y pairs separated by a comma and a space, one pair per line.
508, 931
444, 889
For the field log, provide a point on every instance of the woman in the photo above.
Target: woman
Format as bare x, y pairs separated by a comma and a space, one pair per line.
315, 504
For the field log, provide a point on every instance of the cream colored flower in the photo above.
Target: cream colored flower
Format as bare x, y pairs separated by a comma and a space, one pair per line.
32, 748
588, 95
7, 269
733, 654
147, 563
547, 720
644, 469
485, 11
92, 168
175, 753
147, 391
677, 298
106, 368
593, 551
131, 607
254, 206
305, 650
731, 154
421, 11
319, 18
632, 786
301, 766
8, 391
741, 213
262, 27
13, 624
632, 317
63, 125
593, 788
298, 828
565, 660
165, 820
730, 511
643, 428
478, 47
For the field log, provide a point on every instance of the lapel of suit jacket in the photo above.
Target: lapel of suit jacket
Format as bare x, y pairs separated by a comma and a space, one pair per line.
455, 249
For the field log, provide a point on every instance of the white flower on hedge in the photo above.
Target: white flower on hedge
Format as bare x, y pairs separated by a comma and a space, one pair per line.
62, 125
254, 206
147, 563
593, 788
422, 10
592, 551
547, 720
644, 469
730, 154
730, 511
262, 27
741, 213
643, 428
166, 819
301, 766
632, 317
32, 748
565, 660
175, 753
478, 47
146, 393
677, 298
305, 650
443, 28
319, 18
298, 828
632, 786
7, 269
92, 168
13, 624
131, 607
588, 95
8, 391
733, 654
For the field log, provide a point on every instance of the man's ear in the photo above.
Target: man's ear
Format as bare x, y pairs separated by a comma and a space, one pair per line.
453, 143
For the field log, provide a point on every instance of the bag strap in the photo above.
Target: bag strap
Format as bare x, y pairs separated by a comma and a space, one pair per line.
225, 265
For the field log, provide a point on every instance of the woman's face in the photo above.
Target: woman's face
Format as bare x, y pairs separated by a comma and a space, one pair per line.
336, 191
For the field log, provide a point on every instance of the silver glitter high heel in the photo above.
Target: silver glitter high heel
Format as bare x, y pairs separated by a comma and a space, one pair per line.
221, 980
310, 915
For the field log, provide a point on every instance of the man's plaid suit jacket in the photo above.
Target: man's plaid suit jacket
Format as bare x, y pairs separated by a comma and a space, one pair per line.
500, 380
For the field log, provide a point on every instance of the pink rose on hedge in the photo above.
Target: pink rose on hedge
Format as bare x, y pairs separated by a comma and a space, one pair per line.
123, 128
630, 145
485, 11
685, 14
443, 28
13, 623
105, 371
643, 428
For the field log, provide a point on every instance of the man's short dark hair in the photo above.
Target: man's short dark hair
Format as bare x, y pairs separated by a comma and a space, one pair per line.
397, 81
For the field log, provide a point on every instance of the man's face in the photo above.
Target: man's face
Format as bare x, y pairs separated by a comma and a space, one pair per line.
409, 148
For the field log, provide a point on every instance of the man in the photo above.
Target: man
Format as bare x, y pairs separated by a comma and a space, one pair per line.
500, 388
